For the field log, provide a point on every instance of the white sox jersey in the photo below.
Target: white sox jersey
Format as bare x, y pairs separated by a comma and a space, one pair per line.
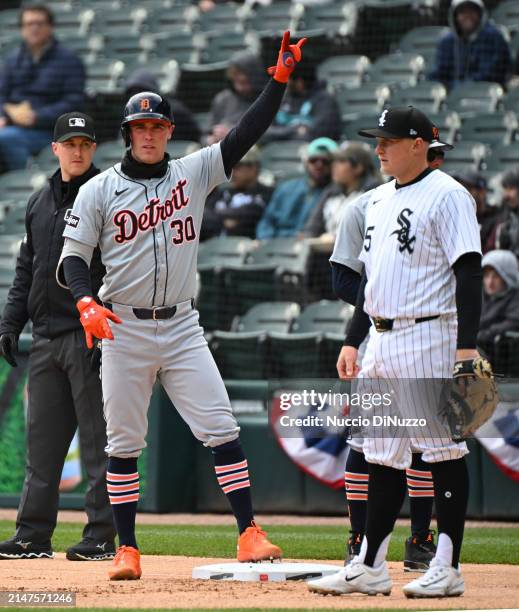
147, 229
413, 235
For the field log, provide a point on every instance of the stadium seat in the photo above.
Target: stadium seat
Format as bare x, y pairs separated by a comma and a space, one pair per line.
13, 223
343, 71
397, 69
423, 40
274, 19
179, 45
448, 122
240, 356
466, 154
510, 101
507, 14
179, 148
6, 277
224, 17
126, 22
350, 128
334, 18
474, 97
222, 45
365, 100
166, 71
269, 317
294, 355
9, 249
497, 128
212, 256
74, 22
125, 45
108, 154
104, 76
19, 184
425, 95
198, 84
330, 316
506, 354
283, 159
9, 21
176, 17
88, 47
331, 345
503, 158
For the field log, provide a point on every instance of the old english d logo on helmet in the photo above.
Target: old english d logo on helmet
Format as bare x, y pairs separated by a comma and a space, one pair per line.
145, 104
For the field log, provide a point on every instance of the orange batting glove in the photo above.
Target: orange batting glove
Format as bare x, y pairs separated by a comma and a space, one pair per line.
94, 319
289, 56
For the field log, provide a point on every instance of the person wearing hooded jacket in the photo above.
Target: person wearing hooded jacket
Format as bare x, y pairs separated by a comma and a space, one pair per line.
64, 387
246, 76
500, 310
474, 49
186, 126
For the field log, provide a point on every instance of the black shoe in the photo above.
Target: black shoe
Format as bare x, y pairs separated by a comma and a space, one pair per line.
419, 553
91, 550
22, 548
353, 546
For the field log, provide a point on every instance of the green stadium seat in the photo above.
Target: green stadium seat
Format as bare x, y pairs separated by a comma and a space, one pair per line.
397, 69
325, 316
212, 256
468, 99
497, 128
199, 84
179, 45
176, 17
448, 122
506, 354
428, 96
124, 45
179, 148
507, 14
269, 317
224, 17
125, 22
283, 160
19, 184
510, 101
9, 249
334, 18
367, 99
220, 46
423, 40
73, 22
109, 153
503, 158
240, 356
9, 21
466, 154
331, 345
13, 223
104, 76
294, 355
343, 71
273, 19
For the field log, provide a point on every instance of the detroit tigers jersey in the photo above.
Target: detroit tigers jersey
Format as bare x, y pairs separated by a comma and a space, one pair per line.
147, 229
413, 235
350, 234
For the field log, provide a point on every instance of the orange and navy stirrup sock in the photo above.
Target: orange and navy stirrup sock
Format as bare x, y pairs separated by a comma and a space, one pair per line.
356, 479
232, 473
421, 496
122, 483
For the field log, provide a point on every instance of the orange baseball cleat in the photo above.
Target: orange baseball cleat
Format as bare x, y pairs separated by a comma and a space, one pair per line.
253, 545
126, 565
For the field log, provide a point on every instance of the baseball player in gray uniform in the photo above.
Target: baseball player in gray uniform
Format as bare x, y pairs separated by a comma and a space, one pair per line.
145, 214
421, 288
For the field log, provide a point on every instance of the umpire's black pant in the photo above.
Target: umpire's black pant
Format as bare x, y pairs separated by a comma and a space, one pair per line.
64, 393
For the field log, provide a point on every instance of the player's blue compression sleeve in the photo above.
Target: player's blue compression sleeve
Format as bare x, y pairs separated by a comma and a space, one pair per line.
359, 325
345, 283
77, 277
469, 291
252, 125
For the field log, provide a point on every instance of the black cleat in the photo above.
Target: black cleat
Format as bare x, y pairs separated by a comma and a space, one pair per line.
22, 548
91, 550
419, 553
353, 546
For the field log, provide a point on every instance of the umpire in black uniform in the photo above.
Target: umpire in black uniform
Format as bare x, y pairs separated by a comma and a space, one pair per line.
64, 386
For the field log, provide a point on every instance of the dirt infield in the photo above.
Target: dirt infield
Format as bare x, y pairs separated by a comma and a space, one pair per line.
167, 583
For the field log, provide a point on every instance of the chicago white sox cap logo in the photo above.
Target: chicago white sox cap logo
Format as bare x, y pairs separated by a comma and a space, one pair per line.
76, 122
382, 118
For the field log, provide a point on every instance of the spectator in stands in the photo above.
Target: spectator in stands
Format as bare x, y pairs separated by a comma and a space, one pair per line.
40, 80
488, 216
474, 50
500, 309
247, 77
186, 126
308, 111
234, 209
353, 172
507, 231
293, 201
64, 385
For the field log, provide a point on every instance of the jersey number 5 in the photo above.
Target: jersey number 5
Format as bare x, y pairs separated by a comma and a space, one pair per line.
185, 230
367, 237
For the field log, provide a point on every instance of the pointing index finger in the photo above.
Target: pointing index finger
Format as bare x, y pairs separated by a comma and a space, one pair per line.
286, 41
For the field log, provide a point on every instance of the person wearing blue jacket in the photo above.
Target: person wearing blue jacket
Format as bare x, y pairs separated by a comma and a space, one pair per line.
39, 81
474, 49
294, 199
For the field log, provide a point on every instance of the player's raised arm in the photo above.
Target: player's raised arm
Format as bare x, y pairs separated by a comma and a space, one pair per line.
260, 115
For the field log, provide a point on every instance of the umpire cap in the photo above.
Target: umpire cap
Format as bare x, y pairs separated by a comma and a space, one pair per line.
145, 105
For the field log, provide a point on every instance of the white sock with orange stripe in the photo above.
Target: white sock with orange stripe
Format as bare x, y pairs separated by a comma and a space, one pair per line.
122, 483
232, 473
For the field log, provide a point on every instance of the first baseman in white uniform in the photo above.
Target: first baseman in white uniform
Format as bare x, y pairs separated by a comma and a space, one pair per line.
145, 214
421, 288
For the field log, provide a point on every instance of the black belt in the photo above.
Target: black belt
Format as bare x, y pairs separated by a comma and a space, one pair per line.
382, 325
157, 313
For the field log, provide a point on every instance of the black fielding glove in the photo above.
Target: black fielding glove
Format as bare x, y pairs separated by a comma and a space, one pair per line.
9, 346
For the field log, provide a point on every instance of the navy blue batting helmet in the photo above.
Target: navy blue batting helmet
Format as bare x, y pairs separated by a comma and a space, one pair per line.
144, 105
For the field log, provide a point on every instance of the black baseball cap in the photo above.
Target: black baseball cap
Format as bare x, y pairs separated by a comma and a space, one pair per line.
69, 125
402, 122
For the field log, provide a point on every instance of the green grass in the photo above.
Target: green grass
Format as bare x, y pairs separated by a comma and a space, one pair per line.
481, 545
